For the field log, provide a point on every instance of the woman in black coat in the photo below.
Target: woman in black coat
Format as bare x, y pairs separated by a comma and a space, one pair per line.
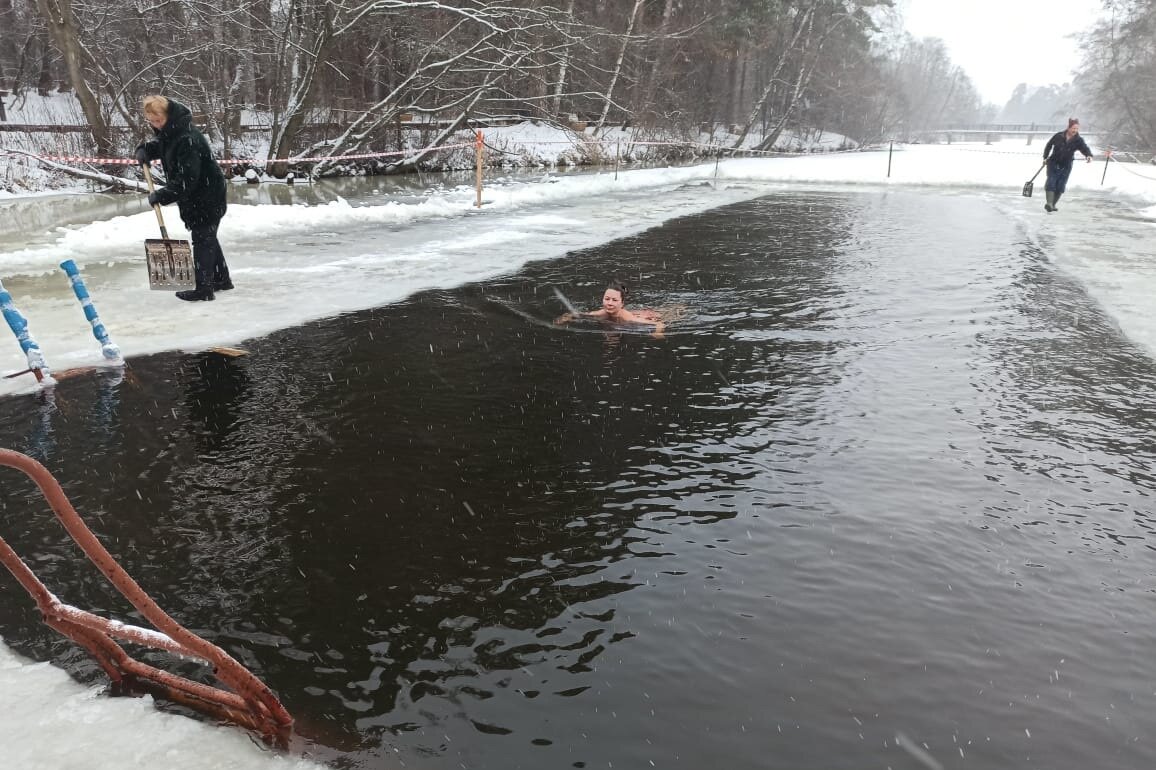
193, 181
1063, 148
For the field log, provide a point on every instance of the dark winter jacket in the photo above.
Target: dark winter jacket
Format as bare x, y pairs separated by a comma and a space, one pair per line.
1065, 149
193, 180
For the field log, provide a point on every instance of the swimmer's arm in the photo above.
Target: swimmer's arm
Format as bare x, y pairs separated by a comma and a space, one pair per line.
566, 318
659, 327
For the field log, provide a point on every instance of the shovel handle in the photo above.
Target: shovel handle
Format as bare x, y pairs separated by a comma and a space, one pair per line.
148, 175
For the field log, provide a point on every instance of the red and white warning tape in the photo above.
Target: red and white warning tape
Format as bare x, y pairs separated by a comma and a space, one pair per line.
255, 161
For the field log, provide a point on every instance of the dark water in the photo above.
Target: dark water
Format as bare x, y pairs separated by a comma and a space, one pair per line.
890, 475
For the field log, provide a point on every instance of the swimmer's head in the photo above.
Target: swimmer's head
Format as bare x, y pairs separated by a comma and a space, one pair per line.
614, 297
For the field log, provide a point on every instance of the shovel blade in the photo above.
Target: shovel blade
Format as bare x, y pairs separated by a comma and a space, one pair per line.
170, 264
1028, 189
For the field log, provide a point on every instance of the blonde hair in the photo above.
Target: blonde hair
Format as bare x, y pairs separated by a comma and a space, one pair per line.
156, 105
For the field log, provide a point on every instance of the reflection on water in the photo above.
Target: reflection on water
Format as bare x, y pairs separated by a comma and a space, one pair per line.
34, 221
876, 480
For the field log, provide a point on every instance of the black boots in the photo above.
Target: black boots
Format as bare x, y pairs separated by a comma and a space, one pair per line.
205, 295
1050, 206
196, 295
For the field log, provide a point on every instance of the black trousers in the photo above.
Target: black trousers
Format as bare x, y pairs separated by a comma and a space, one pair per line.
208, 258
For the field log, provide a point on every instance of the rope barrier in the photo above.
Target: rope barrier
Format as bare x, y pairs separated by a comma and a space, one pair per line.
228, 161
1135, 158
1028, 154
1125, 166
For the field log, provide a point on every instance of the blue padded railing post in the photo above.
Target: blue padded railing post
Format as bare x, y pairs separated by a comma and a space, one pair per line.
19, 326
107, 347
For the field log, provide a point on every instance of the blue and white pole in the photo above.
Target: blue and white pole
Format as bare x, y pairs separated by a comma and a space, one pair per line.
36, 363
107, 347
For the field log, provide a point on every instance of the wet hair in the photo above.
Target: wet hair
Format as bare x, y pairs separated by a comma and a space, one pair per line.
155, 105
618, 287
1073, 122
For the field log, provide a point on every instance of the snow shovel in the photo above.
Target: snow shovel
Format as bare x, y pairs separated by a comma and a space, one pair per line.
1029, 185
170, 262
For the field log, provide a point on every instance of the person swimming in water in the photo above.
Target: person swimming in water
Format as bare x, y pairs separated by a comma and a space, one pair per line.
614, 310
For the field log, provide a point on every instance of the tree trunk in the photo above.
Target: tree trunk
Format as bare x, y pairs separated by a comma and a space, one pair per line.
563, 66
801, 81
649, 105
62, 25
608, 98
738, 82
803, 26
302, 85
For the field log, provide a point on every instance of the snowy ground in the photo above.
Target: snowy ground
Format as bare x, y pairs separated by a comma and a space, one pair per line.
38, 699
296, 263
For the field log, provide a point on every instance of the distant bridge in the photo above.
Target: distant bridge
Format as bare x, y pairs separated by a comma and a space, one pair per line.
993, 132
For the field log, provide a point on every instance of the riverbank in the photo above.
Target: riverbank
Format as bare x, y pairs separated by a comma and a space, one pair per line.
524, 145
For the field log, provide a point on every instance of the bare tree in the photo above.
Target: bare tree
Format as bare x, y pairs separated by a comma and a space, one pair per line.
336, 77
62, 24
803, 24
1120, 71
563, 66
627, 37
452, 74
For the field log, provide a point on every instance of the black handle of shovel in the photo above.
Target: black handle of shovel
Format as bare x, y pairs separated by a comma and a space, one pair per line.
157, 207
1038, 170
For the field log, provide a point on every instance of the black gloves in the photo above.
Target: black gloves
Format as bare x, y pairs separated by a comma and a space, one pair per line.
154, 198
141, 155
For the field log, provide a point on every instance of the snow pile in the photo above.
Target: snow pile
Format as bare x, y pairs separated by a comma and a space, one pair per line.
54, 108
102, 733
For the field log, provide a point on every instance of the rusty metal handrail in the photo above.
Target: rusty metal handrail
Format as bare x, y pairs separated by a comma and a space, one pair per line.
248, 702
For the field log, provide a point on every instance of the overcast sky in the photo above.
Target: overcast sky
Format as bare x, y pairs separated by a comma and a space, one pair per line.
1001, 43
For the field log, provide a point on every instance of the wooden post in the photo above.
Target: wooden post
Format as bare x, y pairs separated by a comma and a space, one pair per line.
617, 155
478, 149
